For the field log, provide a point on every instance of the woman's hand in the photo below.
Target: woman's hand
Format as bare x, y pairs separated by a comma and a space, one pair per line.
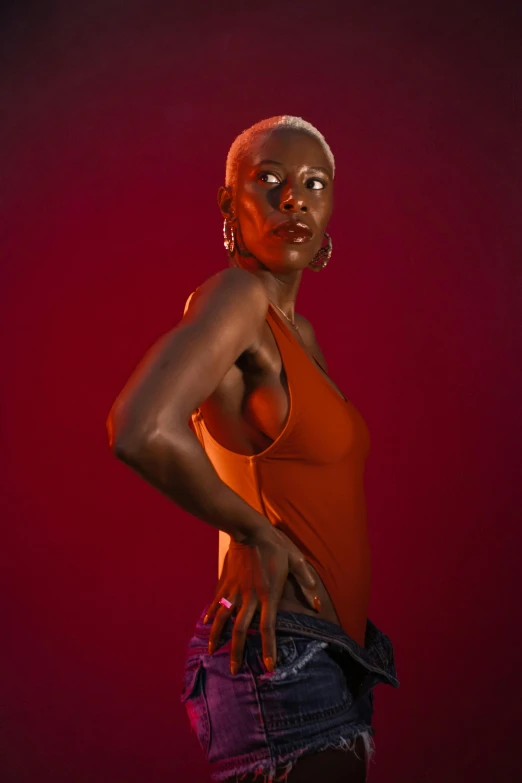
255, 574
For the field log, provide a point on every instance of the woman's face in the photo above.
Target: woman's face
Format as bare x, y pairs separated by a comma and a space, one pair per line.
284, 175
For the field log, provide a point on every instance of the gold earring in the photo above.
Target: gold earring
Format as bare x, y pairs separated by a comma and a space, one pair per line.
230, 244
322, 256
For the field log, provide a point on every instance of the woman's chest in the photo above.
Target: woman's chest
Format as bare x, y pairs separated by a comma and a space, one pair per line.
248, 410
267, 392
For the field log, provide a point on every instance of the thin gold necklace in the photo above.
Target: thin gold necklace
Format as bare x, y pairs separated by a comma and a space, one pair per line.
285, 315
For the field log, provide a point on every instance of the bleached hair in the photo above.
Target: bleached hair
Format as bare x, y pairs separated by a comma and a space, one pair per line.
242, 142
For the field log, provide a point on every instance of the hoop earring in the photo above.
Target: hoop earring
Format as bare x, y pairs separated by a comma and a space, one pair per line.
230, 244
322, 256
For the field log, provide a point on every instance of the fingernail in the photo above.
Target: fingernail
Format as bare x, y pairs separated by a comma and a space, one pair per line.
234, 667
210, 648
205, 619
317, 603
269, 663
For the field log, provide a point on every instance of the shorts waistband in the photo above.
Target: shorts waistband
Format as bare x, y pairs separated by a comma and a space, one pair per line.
377, 655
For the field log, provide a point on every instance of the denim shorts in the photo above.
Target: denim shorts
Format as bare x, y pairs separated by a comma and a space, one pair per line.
319, 695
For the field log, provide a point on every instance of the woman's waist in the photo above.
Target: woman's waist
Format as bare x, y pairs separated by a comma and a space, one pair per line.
293, 599
377, 656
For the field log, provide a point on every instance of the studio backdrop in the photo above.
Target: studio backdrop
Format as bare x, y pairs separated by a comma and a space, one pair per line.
117, 118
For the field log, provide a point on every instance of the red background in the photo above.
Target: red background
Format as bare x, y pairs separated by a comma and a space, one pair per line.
117, 120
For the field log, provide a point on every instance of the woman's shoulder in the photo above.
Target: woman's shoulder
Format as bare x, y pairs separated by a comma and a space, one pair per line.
231, 281
231, 289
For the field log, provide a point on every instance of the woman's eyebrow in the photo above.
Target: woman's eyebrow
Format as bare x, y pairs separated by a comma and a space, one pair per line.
278, 163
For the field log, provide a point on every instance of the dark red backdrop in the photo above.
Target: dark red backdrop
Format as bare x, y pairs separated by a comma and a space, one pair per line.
117, 120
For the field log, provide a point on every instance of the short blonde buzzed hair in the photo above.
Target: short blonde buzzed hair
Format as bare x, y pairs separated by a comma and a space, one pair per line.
242, 142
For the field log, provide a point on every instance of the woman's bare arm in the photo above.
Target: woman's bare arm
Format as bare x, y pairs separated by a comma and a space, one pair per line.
148, 423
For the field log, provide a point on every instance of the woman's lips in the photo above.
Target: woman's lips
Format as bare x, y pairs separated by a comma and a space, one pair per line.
291, 236
292, 233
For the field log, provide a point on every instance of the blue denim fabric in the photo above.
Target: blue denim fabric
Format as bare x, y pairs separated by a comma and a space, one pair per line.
319, 695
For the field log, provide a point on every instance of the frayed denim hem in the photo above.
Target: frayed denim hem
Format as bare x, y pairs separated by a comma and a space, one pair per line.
269, 770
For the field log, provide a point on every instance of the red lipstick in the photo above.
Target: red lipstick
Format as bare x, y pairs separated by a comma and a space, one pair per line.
293, 231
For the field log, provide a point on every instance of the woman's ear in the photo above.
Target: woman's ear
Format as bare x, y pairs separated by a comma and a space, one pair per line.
224, 199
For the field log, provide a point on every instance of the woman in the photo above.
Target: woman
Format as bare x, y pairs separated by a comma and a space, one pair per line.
280, 669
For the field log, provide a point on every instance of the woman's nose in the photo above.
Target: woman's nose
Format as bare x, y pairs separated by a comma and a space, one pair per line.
293, 200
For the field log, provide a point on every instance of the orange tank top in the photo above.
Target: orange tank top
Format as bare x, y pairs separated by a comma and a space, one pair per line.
309, 481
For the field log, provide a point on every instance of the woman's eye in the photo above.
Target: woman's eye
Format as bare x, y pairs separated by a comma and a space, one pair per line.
275, 179
267, 174
322, 184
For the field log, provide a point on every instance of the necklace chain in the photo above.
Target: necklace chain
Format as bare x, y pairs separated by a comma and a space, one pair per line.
285, 315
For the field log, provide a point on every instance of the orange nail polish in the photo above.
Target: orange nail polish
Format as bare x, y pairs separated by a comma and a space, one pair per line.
269, 663
317, 603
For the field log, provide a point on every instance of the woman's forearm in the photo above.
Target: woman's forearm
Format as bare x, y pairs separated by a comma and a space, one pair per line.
178, 466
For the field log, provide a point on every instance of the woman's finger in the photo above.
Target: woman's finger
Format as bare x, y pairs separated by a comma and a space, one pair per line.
267, 626
222, 615
213, 608
241, 626
219, 593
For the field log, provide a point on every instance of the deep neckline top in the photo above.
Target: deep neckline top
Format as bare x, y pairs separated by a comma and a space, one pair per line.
317, 371
309, 355
309, 481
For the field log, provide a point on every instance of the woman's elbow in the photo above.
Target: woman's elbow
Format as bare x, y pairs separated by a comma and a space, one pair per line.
123, 439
